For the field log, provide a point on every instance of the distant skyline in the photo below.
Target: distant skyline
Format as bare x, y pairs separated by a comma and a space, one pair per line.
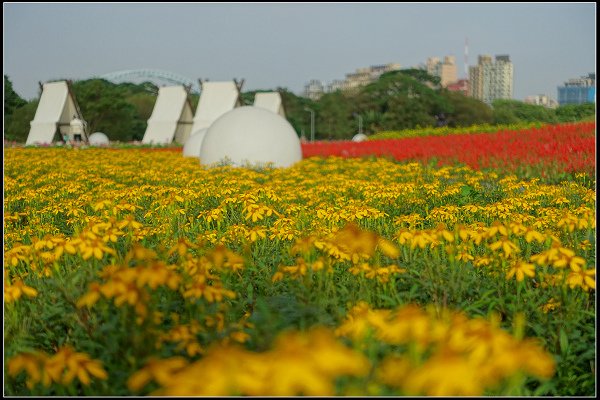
274, 45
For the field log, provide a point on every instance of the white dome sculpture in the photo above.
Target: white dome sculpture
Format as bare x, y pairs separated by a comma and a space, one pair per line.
98, 139
192, 146
359, 137
249, 136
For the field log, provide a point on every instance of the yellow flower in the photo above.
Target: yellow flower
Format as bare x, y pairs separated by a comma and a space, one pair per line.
160, 371
101, 205
531, 235
506, 245
67, 364
482, 261
91, 297
218, 255
534, 360
129, 221
497, 227
584, 278
18, 253
16, 290
445, 374
32, 363
420, 239
388, 248
404, 236
239, 336
520, 269
393, 371
181, 247
463, 254
443, 232
575, 263
94, 247
157, 274
551, 305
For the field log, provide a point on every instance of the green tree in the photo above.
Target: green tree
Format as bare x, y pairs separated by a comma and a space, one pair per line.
419, 75
514, 111
12, 100
575, 112
334, 116
18, 125
105, 108
295, 112
466, 111
398, 100
143, 102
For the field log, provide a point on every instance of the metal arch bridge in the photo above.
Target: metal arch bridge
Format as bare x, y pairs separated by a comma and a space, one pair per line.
152, 75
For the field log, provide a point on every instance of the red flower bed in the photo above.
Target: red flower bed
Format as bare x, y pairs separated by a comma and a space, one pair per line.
564, 147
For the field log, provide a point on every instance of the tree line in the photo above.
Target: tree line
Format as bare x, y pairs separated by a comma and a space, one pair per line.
404, 99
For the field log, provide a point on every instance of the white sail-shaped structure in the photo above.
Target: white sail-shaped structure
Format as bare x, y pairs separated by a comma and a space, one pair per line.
270, 101
216, 99
54, 112
171, 118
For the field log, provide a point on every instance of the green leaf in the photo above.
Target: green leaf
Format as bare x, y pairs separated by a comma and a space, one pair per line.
564, 341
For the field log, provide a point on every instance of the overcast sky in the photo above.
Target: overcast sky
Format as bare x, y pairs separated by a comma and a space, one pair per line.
274, 45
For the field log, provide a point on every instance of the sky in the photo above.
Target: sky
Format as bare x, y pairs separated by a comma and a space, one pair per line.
286, 45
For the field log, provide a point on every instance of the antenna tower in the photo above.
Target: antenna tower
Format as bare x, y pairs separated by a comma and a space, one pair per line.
466, 58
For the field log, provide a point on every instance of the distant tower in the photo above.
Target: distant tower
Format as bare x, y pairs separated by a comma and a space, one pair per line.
466, 58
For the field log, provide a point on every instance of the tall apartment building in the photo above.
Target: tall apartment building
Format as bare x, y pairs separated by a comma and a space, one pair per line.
491, 79
361, 77
314, 89
446, 70
336, 84
364, 76
578, 90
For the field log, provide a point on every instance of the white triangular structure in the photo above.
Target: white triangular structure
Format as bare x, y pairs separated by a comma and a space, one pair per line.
171, 118
54, 112
216, 99
270, 101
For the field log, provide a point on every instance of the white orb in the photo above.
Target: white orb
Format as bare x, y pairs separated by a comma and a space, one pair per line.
359, 137
251, 136
192, 146
98, 139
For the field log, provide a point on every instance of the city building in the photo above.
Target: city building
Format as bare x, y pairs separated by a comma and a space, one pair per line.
462, 85
445, 70
364, 76
361, 77
314, 89
335, 85
578, 90
541, 100
491, 79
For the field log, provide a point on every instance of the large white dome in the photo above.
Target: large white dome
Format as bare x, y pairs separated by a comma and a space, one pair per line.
98, 139
251, 135
359, 137
192, 146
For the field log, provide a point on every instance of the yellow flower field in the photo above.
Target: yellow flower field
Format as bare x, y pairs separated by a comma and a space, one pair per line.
128, 272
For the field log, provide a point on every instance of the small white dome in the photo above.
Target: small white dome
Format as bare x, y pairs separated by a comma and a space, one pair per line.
192, 146
249, 136
98, 139
359, 137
